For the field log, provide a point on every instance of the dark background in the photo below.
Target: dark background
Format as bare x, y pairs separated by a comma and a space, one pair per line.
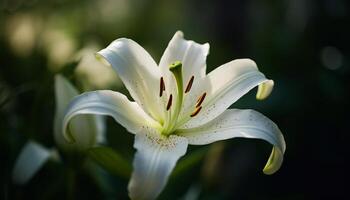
302, 45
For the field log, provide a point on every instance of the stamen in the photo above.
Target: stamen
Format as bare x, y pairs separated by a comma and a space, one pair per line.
200, 100
162, 86
189, 84
169, 102
195, 112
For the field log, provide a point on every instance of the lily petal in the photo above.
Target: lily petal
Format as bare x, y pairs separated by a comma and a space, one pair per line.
32, 157
191, 54
87, 129
241, 123
139, 73
154, 160
193, 57
106, 102
224, 86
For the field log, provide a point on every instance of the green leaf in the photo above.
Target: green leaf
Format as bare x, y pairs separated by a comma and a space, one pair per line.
110, 161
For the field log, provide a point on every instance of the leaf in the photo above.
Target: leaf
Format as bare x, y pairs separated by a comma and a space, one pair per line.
111, 161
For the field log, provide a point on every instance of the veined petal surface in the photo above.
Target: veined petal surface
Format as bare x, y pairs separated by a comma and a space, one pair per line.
224, 86
106, 102
192, 55
154, 160
241, 123
139, 73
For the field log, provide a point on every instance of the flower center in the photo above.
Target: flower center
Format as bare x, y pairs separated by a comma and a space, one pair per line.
173, 114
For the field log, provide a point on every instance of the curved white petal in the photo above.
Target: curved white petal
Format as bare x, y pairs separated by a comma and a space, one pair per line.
105, 102
193, 58
87, 129
241, 123
139, 73
191, 54
154, 160
31, 158
224, 86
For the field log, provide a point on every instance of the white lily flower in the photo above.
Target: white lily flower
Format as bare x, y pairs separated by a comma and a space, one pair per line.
177, 104
89, 130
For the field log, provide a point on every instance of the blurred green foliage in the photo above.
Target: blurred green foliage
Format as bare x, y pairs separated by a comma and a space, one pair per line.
302, 45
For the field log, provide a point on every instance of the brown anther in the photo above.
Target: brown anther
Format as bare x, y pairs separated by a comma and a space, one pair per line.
189, 84
169, 102
195, 112
201, 99
162, 86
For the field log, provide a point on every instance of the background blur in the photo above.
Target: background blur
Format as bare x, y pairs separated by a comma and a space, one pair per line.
302, 45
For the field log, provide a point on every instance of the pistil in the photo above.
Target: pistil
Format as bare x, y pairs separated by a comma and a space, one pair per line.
173, 111
176, 69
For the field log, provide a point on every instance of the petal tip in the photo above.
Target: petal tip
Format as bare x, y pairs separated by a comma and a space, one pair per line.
264, 90
268, 170
179, 34
206, 47
274, 162
99, 56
